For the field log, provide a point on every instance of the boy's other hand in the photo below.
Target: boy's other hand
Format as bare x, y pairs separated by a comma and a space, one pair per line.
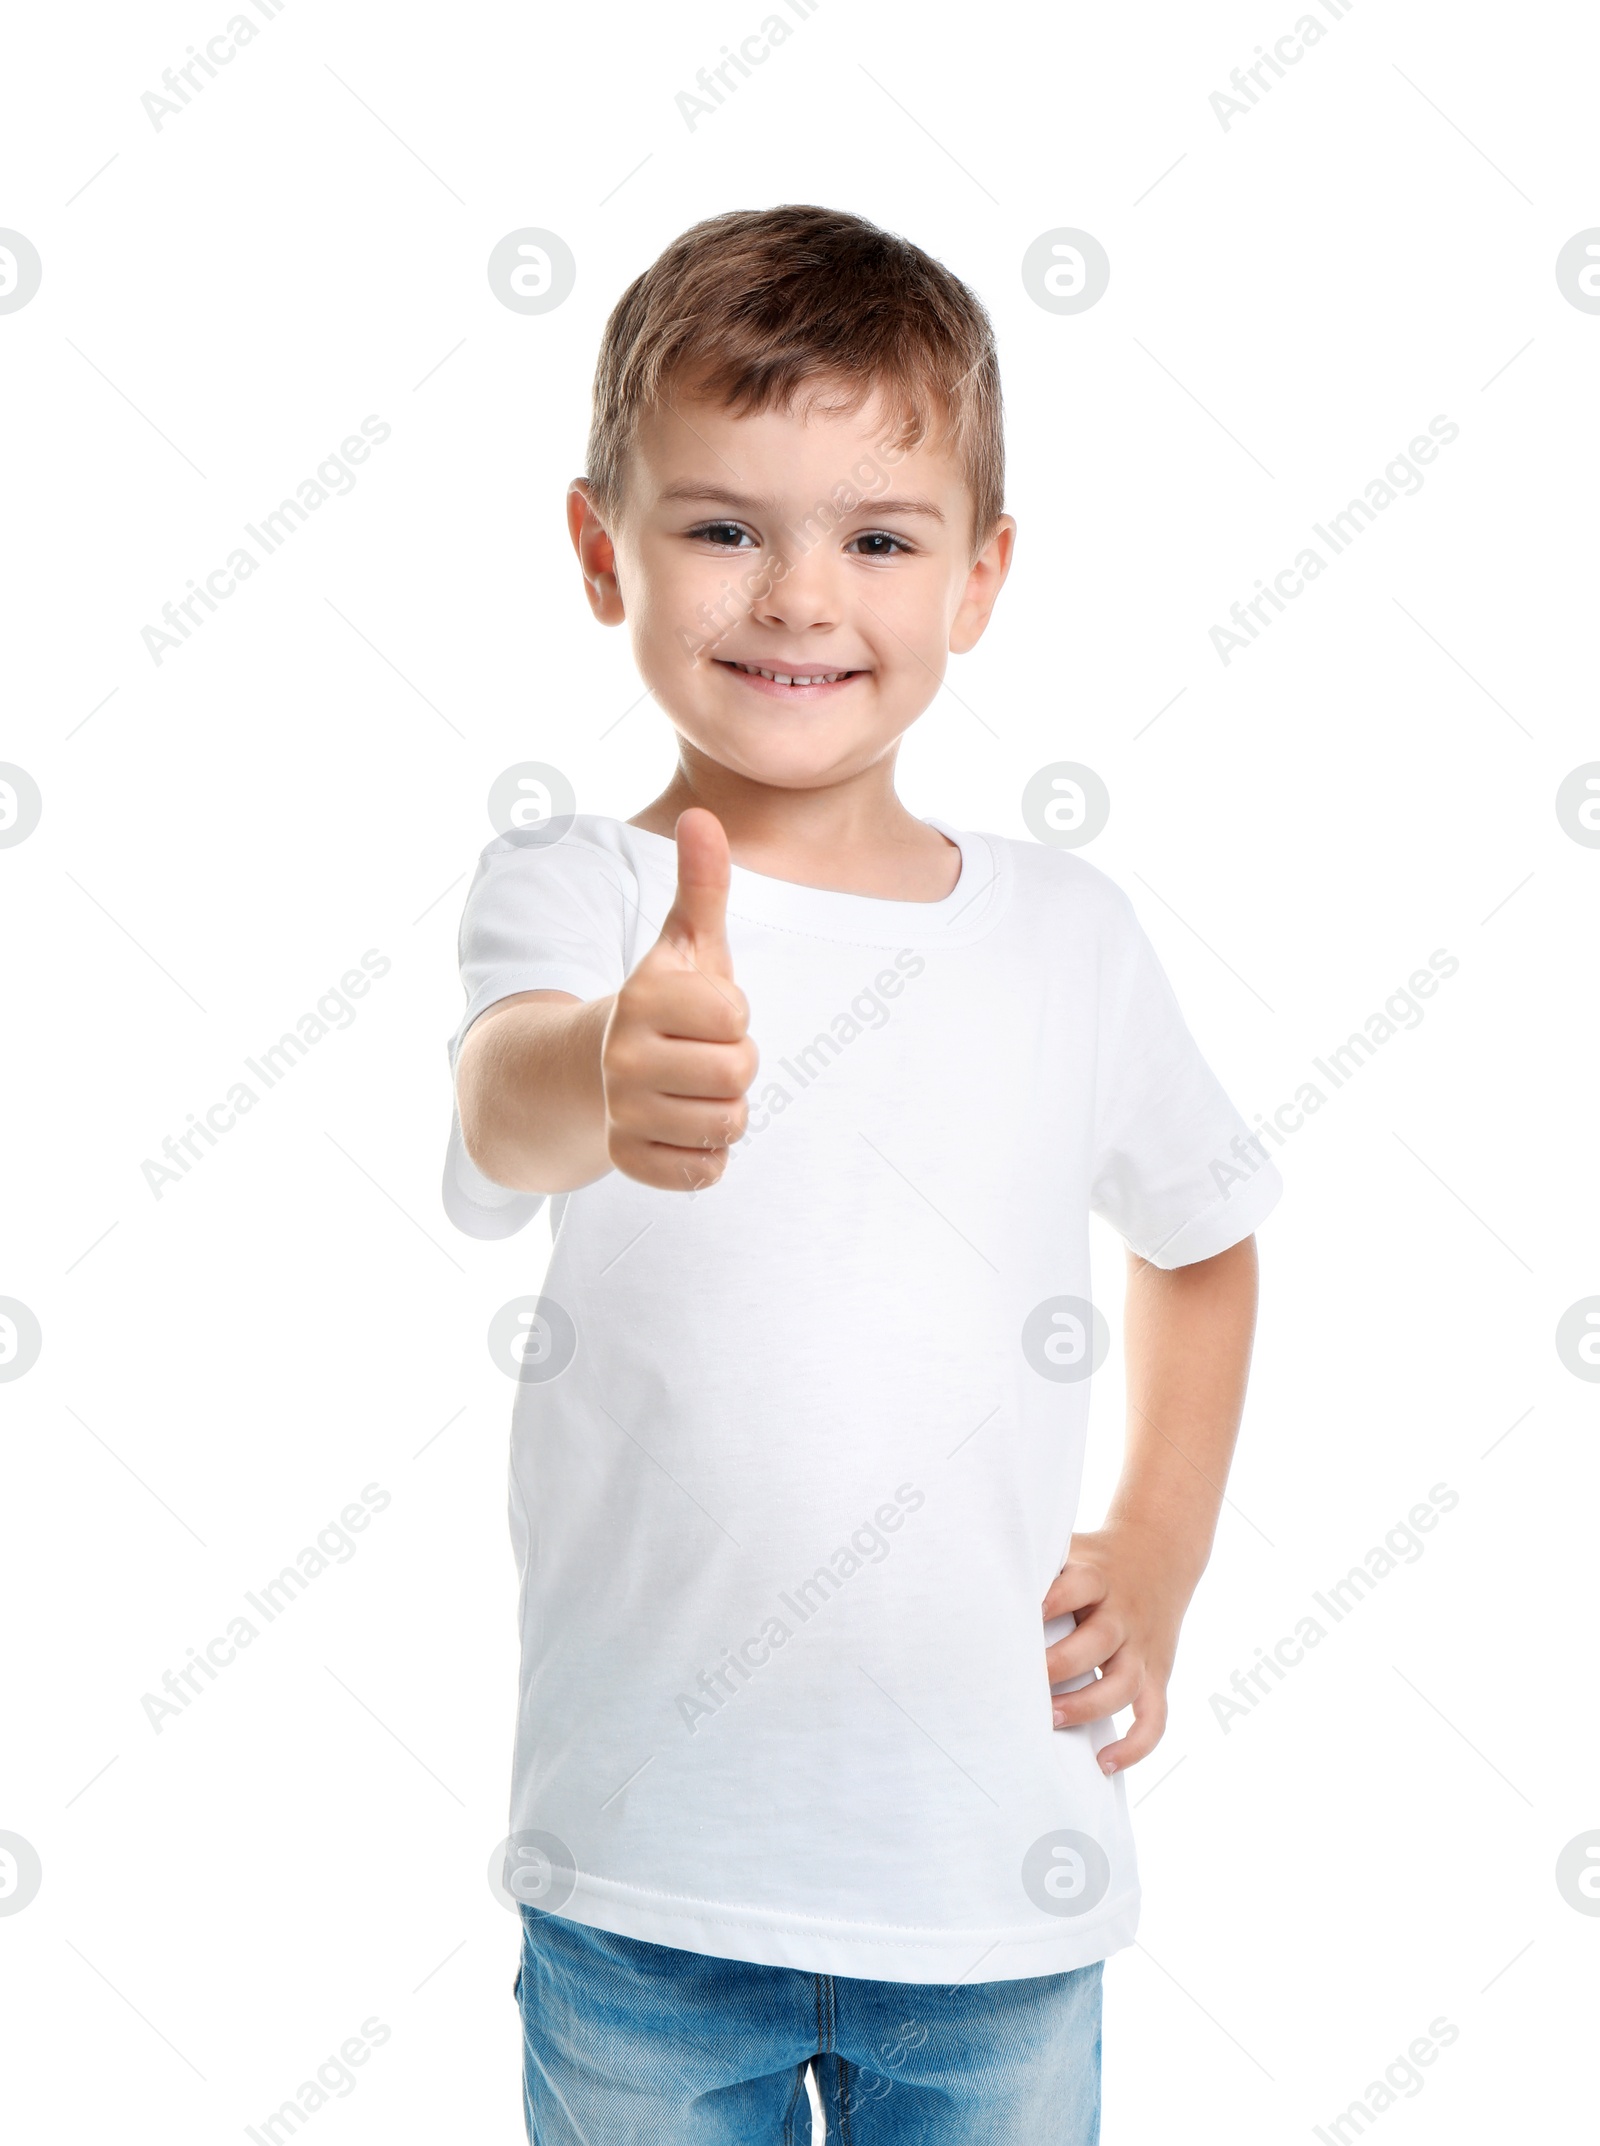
1118, 1583
676, 1059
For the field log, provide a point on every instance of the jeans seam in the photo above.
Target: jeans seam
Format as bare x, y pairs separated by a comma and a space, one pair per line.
796, 2099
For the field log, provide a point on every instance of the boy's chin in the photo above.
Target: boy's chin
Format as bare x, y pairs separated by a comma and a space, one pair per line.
782, 764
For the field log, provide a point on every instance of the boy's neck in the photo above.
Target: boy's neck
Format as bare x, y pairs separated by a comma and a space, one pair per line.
854, 837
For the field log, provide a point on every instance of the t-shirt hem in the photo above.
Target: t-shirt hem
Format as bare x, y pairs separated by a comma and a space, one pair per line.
1227, 1221
867, 1951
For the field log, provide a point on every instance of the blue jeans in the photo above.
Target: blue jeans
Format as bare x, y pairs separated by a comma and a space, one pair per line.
627, 2043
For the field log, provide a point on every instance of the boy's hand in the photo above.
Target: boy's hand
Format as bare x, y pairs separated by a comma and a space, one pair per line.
1119, 1584
677, 1058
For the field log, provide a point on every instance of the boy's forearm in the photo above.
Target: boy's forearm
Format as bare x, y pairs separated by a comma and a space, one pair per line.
529, 1092
1188, 1337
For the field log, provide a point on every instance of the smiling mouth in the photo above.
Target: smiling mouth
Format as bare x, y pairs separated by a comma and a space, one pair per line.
790, 681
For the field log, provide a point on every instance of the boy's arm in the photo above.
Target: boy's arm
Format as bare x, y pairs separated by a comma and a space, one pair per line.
529, 1093
1188, 1335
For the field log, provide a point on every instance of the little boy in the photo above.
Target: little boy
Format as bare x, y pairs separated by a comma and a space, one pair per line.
824, 1095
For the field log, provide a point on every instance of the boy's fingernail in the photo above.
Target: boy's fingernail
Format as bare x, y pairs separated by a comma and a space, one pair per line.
1108, 1765
1058, 1717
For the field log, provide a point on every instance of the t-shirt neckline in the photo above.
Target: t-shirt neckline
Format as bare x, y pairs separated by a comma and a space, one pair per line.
969, 909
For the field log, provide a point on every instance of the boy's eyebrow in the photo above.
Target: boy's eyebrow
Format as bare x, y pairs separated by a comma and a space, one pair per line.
718, 495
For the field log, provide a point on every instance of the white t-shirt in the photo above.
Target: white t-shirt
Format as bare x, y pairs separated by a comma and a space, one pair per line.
795, 1459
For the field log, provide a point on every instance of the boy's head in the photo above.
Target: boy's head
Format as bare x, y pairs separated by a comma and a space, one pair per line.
795, 465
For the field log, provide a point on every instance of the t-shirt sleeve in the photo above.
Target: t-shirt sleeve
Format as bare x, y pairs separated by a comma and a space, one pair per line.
1177, 1173
548, 917
540, 918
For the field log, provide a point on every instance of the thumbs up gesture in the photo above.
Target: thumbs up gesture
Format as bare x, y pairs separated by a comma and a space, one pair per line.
677, 1058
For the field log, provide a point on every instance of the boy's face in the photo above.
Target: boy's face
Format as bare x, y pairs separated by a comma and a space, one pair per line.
795, 543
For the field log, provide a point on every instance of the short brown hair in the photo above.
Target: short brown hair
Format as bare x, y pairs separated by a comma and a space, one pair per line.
746, 307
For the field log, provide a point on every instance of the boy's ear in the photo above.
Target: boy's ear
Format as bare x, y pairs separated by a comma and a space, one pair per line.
984, 583
596, 554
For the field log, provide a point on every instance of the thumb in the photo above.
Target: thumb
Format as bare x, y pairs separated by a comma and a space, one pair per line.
698, 918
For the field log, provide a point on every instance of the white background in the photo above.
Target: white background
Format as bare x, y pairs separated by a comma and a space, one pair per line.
1292, 299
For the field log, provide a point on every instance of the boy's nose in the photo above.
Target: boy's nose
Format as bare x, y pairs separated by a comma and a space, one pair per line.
807, 597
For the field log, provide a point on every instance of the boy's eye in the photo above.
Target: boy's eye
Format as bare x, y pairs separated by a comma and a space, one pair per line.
880, 536
725, 533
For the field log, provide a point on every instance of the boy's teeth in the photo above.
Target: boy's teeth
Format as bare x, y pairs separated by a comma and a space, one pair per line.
816, 678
